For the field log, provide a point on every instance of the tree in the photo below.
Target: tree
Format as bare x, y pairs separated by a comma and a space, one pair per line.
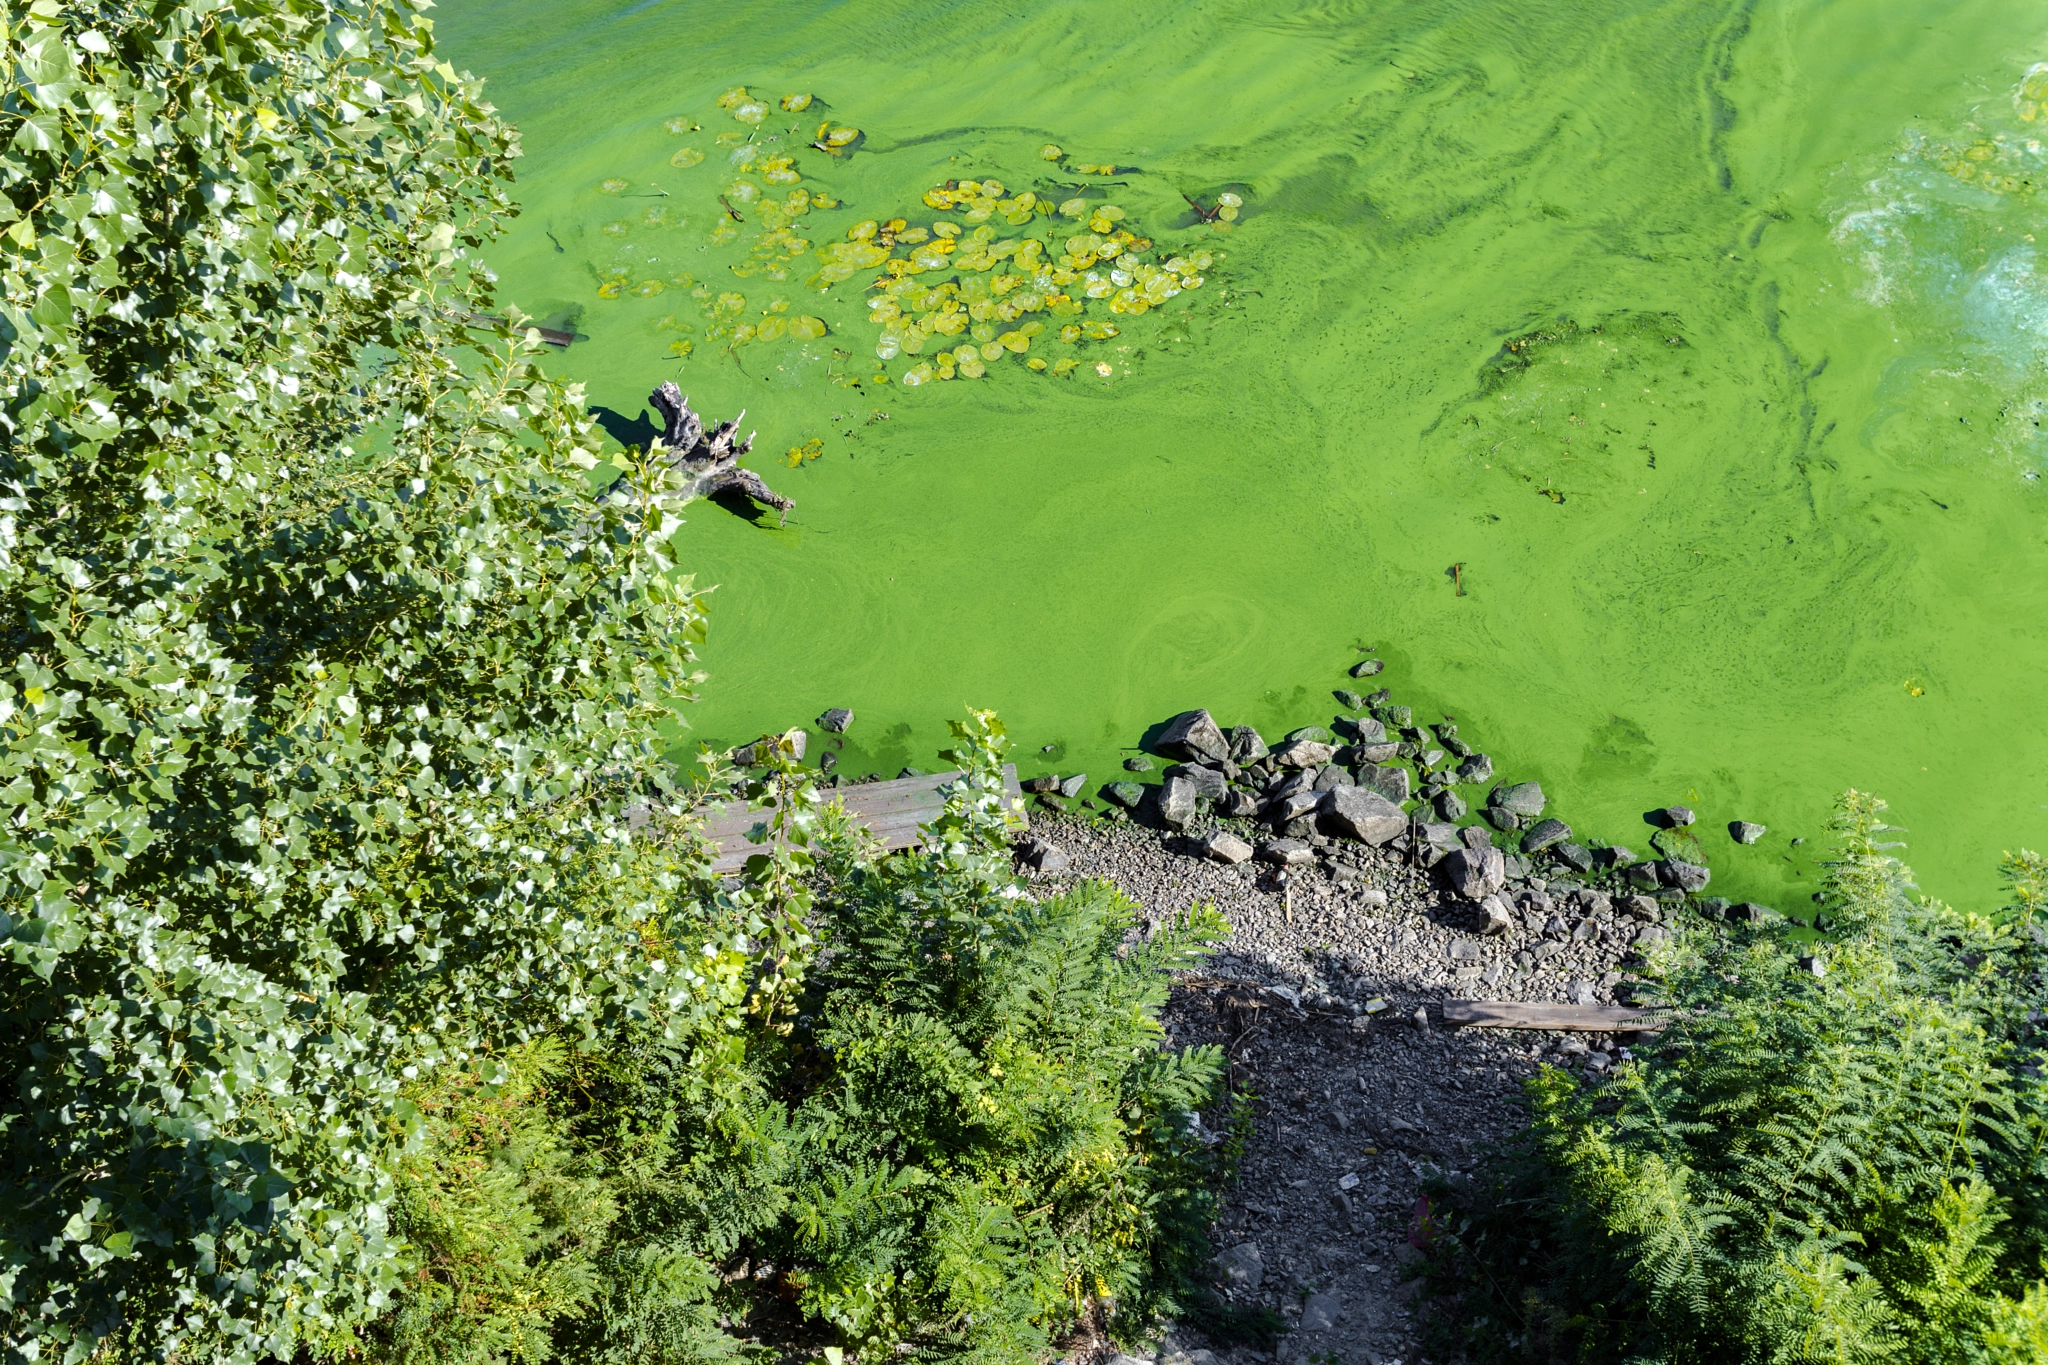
329, 675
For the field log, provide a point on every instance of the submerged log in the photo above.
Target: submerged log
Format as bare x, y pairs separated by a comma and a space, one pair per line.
711, 461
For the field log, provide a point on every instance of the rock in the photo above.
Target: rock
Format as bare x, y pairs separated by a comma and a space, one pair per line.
1391, 783
1614, 855
1374, 897
1579, 993
1519, 798
1177, 801
1545, 833
836, 720
1071, 787
1366, 730
1476, 769
909, 772
1643, 876
1420, 1019
1711, 907
1245, 744
1304, 753
1331, 777
1374, 753
1294, 806
1366, 668
1443, 834
1749, 912
1451, 806
1573, 856
1672, 817
1348, 699
1464, 950
1320, 1313
1241, 1267
1312, 734
1210, 783
1224, 847
1473, 836
1394, 715
1498, 920
1042, 855
1813, 965
1044, 782
1125, 794
1238, 805
1476, 873
1138, 763
1361, 813
1649, 934
1286, 852
1743, 832
1192, 735
1640, 907
1687, 877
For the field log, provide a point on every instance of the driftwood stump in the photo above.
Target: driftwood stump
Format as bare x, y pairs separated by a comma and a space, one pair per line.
711, 462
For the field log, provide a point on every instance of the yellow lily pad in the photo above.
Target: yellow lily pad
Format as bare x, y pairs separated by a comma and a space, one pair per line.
647, 289
1050, 152
611, 289
686, 157
795, 104
805, 327
733, 98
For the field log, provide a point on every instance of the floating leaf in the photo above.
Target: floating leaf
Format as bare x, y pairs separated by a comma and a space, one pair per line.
733, 98
805, 327
680, 125
795, 104
1050, 152
611, 289
647, 289
686, 157
613, 186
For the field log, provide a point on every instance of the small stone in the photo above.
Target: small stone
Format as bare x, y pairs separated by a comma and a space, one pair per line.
1071, 787
1044, 782
1813, 966
1319, 1314
1579, 992
1544, 834
1138, 763
1238, 805
1451, 806
1361, 813
1294, 806
1641, 907
1673, 817
1042, 855
1241, 1266
1304, 753
1374, 897
910, 772
1749, 912
1744, 832
1366, 668
1365, 730
1498, 920
1348, 699
1615, 855
1473, 836
1643, 876
1420, 1019
1125, 794
835, 720
1332, 777
1312, 734
1348, 1181
1192, 735
1224, 847
1465, 950
1381, 752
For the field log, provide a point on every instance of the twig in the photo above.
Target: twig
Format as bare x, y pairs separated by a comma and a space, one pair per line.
730, 209
1458, 577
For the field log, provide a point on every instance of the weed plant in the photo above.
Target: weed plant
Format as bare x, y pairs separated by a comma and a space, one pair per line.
1834, 1152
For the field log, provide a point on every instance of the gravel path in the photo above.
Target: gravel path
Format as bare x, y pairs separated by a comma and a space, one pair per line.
1327, 999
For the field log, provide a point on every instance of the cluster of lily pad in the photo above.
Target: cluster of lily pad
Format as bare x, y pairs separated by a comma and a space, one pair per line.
1004, 292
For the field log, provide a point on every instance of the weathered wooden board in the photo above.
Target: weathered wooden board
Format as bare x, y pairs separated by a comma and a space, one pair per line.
891, 811
1540, 1014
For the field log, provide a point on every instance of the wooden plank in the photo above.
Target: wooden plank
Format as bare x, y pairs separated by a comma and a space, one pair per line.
1542, 1014
891, 811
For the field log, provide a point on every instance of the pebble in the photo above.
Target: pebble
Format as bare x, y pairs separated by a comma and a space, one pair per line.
1286, 852
1225, 847
836, 720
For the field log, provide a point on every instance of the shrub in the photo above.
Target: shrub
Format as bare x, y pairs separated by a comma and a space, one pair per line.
1845, 1167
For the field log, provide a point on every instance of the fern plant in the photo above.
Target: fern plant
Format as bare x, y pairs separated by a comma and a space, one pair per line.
1842, 1167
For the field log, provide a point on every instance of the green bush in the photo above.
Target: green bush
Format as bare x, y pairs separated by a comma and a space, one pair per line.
1843, 1167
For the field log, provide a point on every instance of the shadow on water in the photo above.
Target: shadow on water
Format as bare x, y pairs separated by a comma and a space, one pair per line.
638, 432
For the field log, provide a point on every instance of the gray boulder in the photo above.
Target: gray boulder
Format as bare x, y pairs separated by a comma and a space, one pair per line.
1287, 852
1450, 805
1193, 735
1071, 786
1177, 801
1366, 668
1043, 855
1238, 805
1378, 752
1544, 834
1673, 817
1304, 753
1348, 699
1498, 919
836, 720
1138, 763
1687, 877
1314, 734
1210, 783
1294, 806
1573, 856
1246, 745
1362, 813
1321, 1312
1391, 783
1476, 769
1125, 794
1241, 1267
1476, 873
1744, 832
1520, 798
1225, 847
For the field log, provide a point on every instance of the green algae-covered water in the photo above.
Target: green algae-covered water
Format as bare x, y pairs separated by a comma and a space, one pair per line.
1707, 339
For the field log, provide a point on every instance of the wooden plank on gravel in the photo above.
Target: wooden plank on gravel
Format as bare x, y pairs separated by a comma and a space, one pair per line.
1541, 1014
891, 811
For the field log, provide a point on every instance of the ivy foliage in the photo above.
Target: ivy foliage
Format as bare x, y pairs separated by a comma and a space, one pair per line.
326, 677
1835, 1152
